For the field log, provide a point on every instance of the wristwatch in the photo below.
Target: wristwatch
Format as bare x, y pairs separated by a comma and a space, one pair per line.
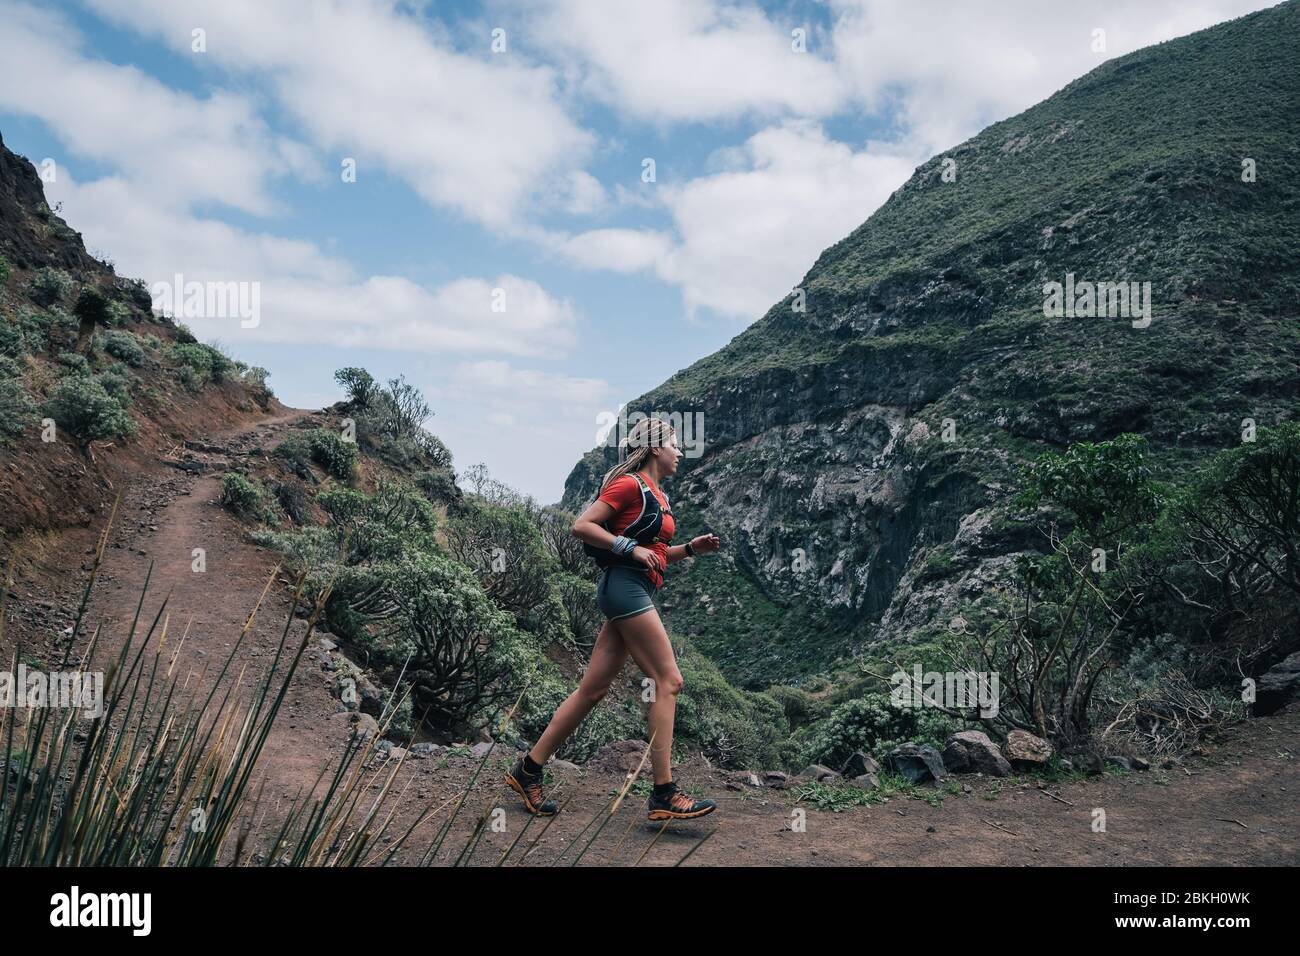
690, 552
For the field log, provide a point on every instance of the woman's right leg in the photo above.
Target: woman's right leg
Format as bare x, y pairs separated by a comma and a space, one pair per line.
607, 659
647, 641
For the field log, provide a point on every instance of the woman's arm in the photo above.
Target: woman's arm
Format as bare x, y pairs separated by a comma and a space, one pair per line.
704, 544
588, 528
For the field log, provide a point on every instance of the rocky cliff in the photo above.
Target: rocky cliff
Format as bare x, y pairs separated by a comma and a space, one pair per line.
864, 437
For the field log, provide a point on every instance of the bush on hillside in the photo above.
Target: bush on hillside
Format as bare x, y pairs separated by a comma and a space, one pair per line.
125, 346
17, 410
331, 452
117, 382
505, 551
874, 725
244, 496
49, 286
467, 658
82, 407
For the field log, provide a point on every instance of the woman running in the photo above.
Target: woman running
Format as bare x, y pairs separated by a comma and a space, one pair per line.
627, 530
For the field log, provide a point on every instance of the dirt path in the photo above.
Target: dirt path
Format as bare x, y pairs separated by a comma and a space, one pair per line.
162, 519
1236, 806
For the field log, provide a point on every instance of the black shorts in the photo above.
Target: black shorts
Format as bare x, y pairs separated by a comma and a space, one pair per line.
624, 592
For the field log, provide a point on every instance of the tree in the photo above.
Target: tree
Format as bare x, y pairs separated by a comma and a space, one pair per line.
1245, 514
359, 384
467, 657
1058, 636
91, 311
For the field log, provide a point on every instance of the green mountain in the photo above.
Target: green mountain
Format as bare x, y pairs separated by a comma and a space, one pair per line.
861, 453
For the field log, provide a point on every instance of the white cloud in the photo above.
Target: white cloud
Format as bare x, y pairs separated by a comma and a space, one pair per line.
186, 149
307, 296
478, 135
744, 235
616, 250
980, 61
528, 391
675, 60
530, 424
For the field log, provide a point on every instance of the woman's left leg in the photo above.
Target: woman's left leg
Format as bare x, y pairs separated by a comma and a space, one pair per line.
607, 658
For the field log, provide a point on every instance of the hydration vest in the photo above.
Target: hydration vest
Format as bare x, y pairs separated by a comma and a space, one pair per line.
645, 529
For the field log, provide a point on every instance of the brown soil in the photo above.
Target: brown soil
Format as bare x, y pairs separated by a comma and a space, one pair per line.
1232, 805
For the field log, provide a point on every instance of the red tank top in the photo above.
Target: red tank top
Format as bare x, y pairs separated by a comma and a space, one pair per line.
623, 494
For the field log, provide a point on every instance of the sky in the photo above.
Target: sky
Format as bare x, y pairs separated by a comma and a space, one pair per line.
534, 211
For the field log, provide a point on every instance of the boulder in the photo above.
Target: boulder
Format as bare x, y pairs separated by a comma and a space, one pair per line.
866, 781
816, 773
1085, 761
1025, 751
744, 778
564, 765
858, 764
1277, 686
971, 751
775, 779
916, 762
363, 724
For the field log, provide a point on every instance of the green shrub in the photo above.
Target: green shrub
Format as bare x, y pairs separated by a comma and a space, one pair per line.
331, 452
49, 286
254, 380
117, 313
438, 485
798, 705
137, 293
295, 450
191, 379
117, 382
505, 550
295, 501
874, 725
184, 336
13, 340
4, 269
221, 364
207, 364
124, 346
359, 385
244, 496
75, 361
192, 355
390, 420
732, 727
16, 408
81, 406
27, 334
467, 658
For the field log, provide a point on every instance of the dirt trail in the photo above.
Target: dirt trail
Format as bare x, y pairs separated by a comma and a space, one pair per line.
162, 519
1235, 806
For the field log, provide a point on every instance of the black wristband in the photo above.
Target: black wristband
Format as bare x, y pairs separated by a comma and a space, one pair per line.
689, 550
